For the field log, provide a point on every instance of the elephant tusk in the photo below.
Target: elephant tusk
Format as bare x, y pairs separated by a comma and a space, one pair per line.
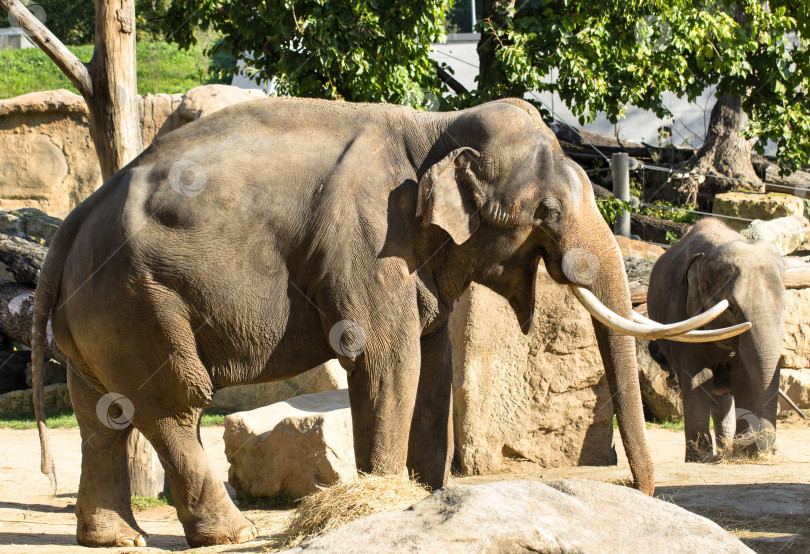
707, 335
712, 335
686, 325
652, 330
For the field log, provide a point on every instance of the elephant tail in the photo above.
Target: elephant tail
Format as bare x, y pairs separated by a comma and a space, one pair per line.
44, 299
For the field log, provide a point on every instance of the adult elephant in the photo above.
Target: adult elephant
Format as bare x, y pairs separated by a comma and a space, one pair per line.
736, 381
262, 240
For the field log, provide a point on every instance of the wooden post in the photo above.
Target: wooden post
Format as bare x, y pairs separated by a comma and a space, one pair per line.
109, 87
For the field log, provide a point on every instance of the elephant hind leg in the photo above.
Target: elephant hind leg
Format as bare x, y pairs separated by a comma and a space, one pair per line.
204, 508
103, 511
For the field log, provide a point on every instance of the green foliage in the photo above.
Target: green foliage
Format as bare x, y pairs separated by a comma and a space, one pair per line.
341, 49
672, 238
162, 67
609, 55
54, 420
610, 208
666, 210
67, 420
140, 503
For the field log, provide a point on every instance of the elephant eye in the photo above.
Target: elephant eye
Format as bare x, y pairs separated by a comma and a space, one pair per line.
547, 211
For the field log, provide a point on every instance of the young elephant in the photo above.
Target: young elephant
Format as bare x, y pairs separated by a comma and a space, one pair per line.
735, 380
266, 238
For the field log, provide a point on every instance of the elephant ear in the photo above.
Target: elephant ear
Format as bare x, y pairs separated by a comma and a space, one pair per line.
445, 198
691, 278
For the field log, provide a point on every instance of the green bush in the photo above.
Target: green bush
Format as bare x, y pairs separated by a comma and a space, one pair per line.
162, 67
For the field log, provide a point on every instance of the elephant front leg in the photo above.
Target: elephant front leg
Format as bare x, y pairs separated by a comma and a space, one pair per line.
382, 392
430, 447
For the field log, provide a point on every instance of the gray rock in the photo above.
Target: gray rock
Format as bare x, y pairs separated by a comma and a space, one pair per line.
325, 377
291, 448
524, 516
786, 233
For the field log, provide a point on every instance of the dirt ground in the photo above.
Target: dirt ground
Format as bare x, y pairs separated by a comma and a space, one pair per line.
767, 505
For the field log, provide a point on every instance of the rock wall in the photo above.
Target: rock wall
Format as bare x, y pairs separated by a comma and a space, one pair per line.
47, 158
795, 375
540, 398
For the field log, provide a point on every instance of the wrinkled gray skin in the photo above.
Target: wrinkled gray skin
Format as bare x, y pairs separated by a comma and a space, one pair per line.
311, 213
709, 264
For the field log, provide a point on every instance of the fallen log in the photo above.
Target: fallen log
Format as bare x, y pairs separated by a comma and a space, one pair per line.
21, 255
16, 312
652, 229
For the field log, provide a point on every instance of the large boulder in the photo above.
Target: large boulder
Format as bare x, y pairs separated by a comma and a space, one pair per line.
787, 234
796, 384
325, 377
291, 448
750, 206
207, 99
524, 516
540, 398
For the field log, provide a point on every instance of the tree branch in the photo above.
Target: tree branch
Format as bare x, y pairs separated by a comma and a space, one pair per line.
448, 80
70, 65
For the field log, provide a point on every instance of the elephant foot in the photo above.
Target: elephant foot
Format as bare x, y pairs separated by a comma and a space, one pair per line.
700, 457
231, 529
101, 533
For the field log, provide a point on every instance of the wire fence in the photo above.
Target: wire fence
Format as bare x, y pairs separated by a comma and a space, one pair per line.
799, 191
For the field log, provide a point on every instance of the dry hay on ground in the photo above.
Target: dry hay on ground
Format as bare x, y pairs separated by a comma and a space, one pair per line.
350, 500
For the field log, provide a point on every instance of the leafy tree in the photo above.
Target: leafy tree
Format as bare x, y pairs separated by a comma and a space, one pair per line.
73, 21
341, 49
608, 56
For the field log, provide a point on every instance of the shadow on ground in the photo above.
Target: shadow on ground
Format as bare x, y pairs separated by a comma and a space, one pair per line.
767, 517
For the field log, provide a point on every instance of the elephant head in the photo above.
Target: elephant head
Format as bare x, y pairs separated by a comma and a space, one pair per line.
509, 197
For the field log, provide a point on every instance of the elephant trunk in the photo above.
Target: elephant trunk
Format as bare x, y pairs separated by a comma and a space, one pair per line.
607, 280
619, 357
760, 349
